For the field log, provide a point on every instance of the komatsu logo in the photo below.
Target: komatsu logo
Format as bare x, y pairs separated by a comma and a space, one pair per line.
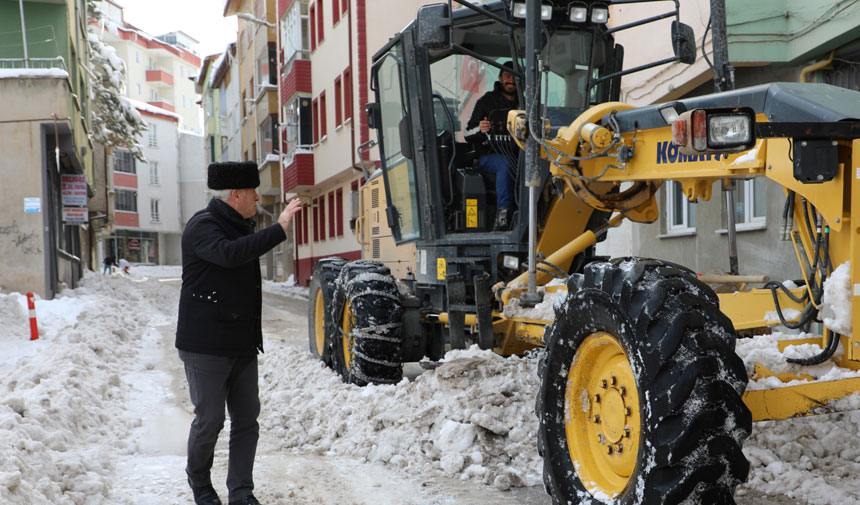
668, 153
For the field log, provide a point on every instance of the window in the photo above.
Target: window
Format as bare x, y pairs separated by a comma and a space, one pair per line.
339, 208
298, 227
680, 212
322, 217
225, 148
126, 200
312, 15
305, 223
183, 104
316, 220
123, 162
323, 131
316, 121
212, 149
153, 173
268, 132
347, 95
153, 135
344, 6
750, 204
137, 57
320, 31
267, 61
338, 119
139, 90
335, 11
153, 211
295, 33
153, 96
332, 232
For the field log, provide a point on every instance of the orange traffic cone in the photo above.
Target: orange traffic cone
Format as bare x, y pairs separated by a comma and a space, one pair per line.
34, 330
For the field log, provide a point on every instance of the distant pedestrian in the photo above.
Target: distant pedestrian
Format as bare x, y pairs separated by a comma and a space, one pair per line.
109, 262
125, 265
219, 330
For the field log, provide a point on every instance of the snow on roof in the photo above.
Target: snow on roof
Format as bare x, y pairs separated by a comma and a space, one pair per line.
143, 106
12, 73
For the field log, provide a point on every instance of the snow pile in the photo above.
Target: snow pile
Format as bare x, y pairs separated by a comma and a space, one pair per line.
472, 417
18, 73
62, 414
287, 289
836, 301
812, 460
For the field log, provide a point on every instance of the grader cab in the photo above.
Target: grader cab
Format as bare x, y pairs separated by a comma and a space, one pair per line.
643, 398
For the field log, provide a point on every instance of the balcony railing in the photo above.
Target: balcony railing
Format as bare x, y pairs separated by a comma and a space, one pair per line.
44, 63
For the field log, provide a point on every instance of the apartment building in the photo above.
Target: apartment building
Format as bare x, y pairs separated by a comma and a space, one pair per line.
49, 204
256, 55
777, 40
326, 48
148, 215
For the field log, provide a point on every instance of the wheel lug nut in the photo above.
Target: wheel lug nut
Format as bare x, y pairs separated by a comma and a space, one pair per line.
614, 380
626, 432
601, 438
608, 449
596, 398
620, 448
597, 418
603, 383
627, 411
623, 391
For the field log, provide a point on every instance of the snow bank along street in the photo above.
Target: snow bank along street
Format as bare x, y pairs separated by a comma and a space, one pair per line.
88, 416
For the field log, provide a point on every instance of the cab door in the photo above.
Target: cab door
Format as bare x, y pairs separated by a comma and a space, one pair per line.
394, 132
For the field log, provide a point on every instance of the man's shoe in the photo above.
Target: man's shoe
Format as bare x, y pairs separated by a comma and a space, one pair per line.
248, 500
502, 222
206, 496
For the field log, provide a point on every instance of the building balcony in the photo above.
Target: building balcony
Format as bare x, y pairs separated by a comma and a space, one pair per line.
270, 176
299, 175
298, 80
159, 78
164, 104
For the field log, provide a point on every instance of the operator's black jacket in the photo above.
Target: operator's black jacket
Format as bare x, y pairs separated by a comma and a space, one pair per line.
493, 106
221, 299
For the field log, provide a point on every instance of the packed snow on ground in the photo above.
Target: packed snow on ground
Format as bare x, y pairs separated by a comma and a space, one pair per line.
77, 409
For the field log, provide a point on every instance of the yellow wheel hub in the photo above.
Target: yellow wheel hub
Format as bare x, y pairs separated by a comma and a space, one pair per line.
319, 322
602, 421
346, 341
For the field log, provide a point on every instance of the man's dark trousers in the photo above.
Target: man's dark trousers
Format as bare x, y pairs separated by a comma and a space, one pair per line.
212, 382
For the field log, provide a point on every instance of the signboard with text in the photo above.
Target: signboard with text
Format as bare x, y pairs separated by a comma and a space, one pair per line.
74, 189
75, 215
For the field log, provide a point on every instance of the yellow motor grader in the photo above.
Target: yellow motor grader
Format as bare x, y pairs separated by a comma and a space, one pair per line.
643, 398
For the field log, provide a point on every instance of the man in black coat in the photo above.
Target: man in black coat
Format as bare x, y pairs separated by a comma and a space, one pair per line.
219, 330
489, 109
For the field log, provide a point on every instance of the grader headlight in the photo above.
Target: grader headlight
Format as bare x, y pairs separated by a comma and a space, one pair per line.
700, 131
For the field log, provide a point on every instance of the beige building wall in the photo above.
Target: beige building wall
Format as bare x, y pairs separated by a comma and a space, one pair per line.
665, 82
23, 241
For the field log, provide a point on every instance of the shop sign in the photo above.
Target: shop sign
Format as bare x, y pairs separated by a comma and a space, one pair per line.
75, 215
73, 188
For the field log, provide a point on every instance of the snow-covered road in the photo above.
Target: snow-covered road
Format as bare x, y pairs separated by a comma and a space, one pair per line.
96, 411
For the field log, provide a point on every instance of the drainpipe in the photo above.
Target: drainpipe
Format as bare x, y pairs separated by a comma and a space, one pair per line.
24, 34
804, 74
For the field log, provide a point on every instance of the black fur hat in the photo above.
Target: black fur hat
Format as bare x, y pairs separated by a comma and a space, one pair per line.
233, 175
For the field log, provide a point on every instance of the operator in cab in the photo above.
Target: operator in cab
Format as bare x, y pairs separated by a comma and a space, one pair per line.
488, 120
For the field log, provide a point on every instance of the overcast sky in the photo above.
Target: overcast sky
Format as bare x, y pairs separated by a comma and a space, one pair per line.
201, 19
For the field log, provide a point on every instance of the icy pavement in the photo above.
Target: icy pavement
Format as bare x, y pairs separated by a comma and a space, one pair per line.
95, 412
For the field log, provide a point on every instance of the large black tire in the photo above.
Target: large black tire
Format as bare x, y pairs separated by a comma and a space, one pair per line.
673, 424
321, 293
368, 318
